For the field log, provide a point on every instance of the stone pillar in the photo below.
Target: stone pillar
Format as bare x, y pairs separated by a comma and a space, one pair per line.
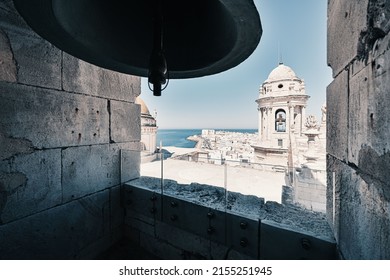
299, 122
266, 124
260, 125
291, 125
270, 123
303, 117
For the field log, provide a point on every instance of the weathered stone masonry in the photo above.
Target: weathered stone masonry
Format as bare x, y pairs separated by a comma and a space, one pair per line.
358, 123
62, 125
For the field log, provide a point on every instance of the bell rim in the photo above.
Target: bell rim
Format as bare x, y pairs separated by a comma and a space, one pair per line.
247, 20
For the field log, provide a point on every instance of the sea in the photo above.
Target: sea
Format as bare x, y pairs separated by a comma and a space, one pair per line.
178, 137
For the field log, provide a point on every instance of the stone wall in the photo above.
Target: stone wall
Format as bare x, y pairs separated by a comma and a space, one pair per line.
358, 127
63, 123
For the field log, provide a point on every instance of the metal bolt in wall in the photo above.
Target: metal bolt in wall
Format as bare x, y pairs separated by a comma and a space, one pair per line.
210, 230
243, 225
306, 244
244, 242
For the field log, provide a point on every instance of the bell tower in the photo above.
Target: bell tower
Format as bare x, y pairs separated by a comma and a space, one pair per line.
281, 106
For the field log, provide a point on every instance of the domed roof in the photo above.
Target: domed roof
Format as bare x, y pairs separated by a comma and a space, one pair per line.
144, 108
282, 72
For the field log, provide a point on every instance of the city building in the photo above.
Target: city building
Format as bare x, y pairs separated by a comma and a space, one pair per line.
148, 132
281, 105
289, 138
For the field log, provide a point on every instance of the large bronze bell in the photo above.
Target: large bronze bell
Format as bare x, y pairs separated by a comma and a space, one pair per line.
158, 39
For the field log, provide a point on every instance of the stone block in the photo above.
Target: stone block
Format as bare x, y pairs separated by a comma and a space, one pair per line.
29, 184
51, 119
279, 242
132, 234
92, 251
125, 121
379, 104
143, 226
131, 214
346, 24
8, 71
369, 125
159, 248
39, 62
130, 161
116, 211
232, 255
188, 242
334, 167
363, 217
375, 167
80, 76
88, 169
11, 147
337, 117
57, 233
359, 121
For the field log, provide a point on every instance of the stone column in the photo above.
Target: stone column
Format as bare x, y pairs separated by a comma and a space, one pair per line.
266, 124
270, 123
291, 119
303, 116
298, 125
260, 129
263, 123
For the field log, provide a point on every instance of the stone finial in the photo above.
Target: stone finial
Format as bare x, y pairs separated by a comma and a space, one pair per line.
311, 122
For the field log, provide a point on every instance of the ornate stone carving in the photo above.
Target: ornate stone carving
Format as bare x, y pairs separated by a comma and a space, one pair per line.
311, 122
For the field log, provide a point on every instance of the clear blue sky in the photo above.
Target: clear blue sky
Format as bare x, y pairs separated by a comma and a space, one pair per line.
227, 99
